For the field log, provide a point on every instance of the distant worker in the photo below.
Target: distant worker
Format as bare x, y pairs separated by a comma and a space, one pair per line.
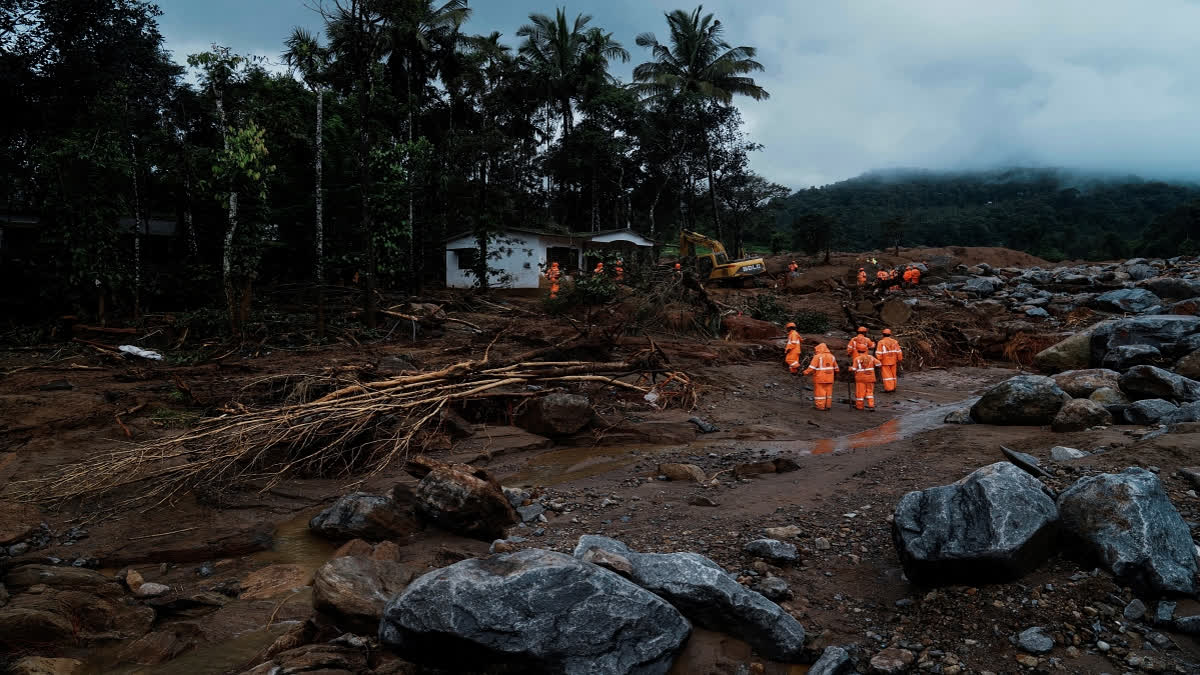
881, 276
862, 276
823, 368
916, 276
859, 340
863, 366
793, 268
791, 351
620, 271
599, 268
908, 275
890, 355
552, 274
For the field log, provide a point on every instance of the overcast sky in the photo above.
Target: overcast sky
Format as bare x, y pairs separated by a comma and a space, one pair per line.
1106, 85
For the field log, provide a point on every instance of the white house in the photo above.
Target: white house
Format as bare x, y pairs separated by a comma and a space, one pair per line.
519, 256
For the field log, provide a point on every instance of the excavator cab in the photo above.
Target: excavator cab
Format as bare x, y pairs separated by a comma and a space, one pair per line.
716, 265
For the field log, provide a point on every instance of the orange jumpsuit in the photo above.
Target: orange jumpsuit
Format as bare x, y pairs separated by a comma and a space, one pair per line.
599, 269
863, 367
862, 277
791, 352
792, 267
889, 354
852, 347
620, 271
881, 275
552, 275
916, 276
823, 368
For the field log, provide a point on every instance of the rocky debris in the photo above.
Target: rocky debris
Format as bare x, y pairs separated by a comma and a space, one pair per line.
1135, 610
1061, 453
892, 660
1127, 356
384, 550
995, 524
895, 312
1188, 366
777, 465
461, 499
273, 580
1140, 271
132, 578
773, 550
1148, 411
784, 532
206, 543
1163, 332
773, 589
1082, 383
1164, 613
1022, 400
982, 287
530, 513
68, 605
161, 645
833, 661
609, 561
1174, 288
1188, 412
152, 590
682, 472
326, 659
1079, 414
1109, 396
1069, 354
703, 426
1035, 641
17, 521
455, 424
354, 590
1129, 300
40, 665
539, 609
743, 328
1127, 521
960, 416
363, 516
1192, 474
556, 414
1150, 382
706, 594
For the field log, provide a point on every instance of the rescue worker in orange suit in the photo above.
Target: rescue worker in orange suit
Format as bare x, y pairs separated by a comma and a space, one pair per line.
552, 274
890, 355
862, 277
599, 268
916, 276
792, 268
823, 368
863, 366
791, 351
860, 339
620, 271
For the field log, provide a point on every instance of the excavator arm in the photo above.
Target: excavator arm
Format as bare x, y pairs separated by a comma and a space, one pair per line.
720, 266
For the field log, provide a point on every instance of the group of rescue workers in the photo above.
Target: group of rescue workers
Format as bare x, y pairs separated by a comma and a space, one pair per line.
911, 276
555, 272
824, 366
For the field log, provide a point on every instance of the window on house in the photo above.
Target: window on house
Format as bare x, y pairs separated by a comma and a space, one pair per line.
467, 258
567, 258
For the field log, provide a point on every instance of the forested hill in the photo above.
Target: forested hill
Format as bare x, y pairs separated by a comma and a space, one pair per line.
1051, 213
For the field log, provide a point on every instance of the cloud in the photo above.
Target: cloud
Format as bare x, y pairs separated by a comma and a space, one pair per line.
1100, 85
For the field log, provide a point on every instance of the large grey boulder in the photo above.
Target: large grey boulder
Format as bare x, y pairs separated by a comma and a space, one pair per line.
1021, 400
1163, 332
707, 595
1188, 366
1151, 382
1079, 414
1081, 383
1127, 521
772, 549
363, 516
1148, 411
461, 498
557, 414
540, 610
1131, 300
1125, 357
1188, 412
1109, 396
994, 525
1072, 353
983, 286
1174, 288
1140, 272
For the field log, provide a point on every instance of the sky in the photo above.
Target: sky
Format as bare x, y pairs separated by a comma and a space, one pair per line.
1090, 85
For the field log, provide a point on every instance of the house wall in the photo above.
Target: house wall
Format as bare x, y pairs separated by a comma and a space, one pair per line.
517, 265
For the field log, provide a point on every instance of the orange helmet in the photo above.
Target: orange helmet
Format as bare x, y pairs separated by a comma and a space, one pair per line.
790, 324
887, 331
862, 329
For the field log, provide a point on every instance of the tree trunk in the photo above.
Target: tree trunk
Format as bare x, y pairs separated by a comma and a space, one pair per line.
137, 234
414, 283
595, 206
712, 193
230, 230
319, 233
481, 232
193, 240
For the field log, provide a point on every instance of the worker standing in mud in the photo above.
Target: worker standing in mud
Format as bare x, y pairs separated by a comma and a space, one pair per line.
620, 271
863, 366
791, 351
823, 368
552, 274
890, 355
862, 277
857, 340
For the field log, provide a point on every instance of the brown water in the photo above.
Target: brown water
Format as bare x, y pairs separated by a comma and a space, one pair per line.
295, 544
207, 659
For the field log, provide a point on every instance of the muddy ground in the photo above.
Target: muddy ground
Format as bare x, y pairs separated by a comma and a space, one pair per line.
58, 406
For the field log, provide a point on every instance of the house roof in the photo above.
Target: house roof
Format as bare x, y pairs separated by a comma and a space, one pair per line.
565, 235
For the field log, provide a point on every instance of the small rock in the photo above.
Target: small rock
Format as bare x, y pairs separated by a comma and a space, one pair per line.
151, 590
133, 580
833, 661
773, 589
773, 550
891, 661
1135, 610
682, 472
821, 544
530, 513
1164, 613
609, 561
960, 416
1103, 646
1061, 453
704, 427
205, 570
1035, 641
701, 500
1189, 625
785, 532
40, 665
1027, 660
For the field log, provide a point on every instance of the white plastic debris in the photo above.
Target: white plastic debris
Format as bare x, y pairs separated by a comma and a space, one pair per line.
138, 351
651, 397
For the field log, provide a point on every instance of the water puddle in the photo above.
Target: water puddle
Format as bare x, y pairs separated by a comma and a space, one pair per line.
295, 544
895, 429
228, 655
568, 464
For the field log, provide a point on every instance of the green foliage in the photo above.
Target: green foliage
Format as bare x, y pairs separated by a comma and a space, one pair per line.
766, 307
811, 322
779, 242
398, 168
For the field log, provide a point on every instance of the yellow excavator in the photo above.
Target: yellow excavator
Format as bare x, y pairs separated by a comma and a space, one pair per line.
716, 265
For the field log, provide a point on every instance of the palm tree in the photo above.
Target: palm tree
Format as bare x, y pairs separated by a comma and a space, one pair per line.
306, 55
698, 68
566, 56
